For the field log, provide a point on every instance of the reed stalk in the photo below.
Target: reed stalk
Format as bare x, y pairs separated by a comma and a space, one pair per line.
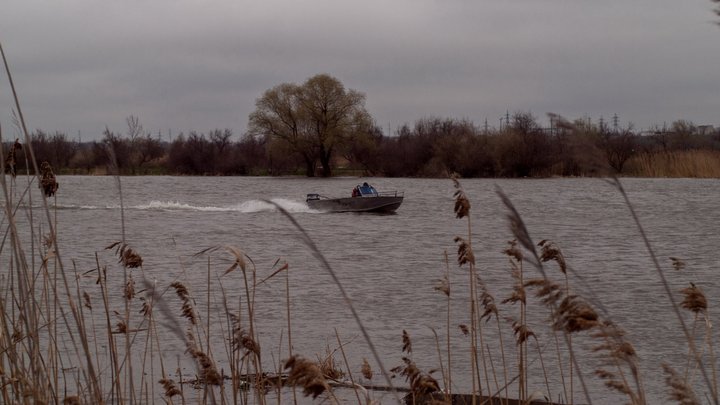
517, 226
289, 317
326, 265
448, 381
349, 370
615, 182
39, 374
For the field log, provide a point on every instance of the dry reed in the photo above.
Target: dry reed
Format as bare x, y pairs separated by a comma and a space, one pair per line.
680, 391
365, 370
691, 163
421, 383
306, 374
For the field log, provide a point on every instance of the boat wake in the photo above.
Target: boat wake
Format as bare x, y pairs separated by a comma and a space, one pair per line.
246, 207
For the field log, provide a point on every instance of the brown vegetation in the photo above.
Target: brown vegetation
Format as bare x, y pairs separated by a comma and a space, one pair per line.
432, 147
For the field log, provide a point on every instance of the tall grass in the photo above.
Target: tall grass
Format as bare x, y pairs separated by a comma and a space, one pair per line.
691, 163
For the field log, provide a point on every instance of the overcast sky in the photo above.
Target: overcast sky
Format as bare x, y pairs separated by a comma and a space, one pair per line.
192, 65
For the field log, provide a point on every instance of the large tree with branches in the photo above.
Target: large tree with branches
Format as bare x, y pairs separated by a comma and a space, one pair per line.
314, 119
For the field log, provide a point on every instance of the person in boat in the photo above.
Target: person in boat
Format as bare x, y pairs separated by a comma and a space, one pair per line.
356, 192
367, 190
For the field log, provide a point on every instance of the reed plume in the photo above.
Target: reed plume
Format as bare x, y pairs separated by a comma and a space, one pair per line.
248, 343
365, 370
72, 400
86, 300
188, 310
575, 315
694, 299
407, 343
129, 290
241, 340
549, 292
462, 204
518, 291
206, 366
146, 308
677, 264
488, 303
329, 367
421, 383
48, 183
549, 251
465, 253
126, 255
170, 388
522, 332
306, 374
10, 160
621, 355
517, 225
513, 251
680, 390
122, 327
443, 285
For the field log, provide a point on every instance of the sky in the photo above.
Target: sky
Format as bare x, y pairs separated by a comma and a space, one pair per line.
81, 66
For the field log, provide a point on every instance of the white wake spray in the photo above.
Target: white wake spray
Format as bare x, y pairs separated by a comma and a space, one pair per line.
246, 207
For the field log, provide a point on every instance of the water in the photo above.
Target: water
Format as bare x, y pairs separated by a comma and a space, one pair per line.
390, 264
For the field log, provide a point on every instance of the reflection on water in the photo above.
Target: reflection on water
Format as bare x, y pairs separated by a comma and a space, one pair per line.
390, 264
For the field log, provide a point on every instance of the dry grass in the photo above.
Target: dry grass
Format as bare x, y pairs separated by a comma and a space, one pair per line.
692, 163
306, 374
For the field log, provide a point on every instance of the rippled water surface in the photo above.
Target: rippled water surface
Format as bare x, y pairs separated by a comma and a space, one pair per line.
390, 264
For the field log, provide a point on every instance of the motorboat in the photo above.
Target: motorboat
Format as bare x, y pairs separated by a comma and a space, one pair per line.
364, 199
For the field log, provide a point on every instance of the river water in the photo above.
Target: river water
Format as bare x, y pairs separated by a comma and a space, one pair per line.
390, 264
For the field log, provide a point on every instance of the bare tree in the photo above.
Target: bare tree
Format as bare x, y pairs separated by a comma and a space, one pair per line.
619, 147
278, 117
118, 150
147, 149
681, 134
333, 115
363, 150
315, 119
222, 163
524, 149
220, 139
135, 129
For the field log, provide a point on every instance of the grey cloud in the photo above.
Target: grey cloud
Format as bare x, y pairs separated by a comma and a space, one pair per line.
189, 65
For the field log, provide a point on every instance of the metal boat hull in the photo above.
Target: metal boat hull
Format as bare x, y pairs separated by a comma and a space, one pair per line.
381, 204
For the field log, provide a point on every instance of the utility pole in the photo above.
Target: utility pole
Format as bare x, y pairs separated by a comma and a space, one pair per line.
615, 122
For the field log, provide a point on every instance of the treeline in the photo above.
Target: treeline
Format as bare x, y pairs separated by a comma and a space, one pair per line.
431, 147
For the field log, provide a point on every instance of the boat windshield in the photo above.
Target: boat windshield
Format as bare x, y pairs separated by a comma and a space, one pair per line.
367, 190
